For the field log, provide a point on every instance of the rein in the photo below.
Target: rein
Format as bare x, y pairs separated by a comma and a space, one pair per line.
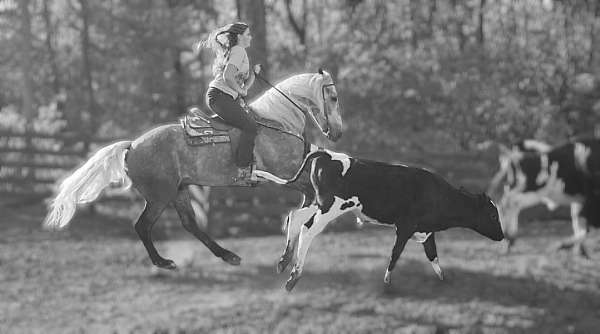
282, 93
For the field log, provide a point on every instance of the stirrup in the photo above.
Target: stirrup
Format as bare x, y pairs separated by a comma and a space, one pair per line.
246, 175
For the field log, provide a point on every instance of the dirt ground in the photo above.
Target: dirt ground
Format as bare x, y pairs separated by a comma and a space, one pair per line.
96, 278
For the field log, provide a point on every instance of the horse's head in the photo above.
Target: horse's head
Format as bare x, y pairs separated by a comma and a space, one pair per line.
306, 96
326, 111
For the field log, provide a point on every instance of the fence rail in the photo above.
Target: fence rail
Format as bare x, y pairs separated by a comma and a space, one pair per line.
31, 162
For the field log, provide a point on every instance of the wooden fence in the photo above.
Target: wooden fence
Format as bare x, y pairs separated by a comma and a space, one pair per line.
31, 163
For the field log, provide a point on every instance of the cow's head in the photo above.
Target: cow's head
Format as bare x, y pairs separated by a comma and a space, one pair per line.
487, 220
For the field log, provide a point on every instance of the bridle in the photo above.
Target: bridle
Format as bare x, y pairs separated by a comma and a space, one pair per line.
306, 113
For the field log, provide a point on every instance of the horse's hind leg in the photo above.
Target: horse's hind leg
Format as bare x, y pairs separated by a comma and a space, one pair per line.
143, 227
185, 211
431, 253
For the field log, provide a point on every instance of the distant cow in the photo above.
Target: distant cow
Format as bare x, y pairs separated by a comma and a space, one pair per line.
416, 201
534, 173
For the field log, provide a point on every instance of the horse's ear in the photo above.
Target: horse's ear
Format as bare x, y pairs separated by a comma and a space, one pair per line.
320, 70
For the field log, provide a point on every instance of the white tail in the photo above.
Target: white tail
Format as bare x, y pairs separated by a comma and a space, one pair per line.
86, 183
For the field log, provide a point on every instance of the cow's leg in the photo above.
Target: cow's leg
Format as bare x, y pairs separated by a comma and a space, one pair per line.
309, 231
295, 220
401, 239
186, 213
579, 232
431, 253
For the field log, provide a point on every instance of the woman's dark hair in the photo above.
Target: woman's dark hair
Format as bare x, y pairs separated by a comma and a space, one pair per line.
221, 40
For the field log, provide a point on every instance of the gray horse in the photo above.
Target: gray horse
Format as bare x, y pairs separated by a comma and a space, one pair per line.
161, 165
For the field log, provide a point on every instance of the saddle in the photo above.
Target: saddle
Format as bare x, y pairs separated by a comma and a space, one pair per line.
204, 128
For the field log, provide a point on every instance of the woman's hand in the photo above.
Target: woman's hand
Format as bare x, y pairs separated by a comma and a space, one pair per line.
243, 92
257, 68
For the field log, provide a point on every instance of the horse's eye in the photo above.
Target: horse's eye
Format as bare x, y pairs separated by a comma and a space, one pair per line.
334, 98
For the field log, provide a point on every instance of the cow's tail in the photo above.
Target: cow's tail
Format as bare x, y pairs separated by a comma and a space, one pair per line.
314, 153
87, 182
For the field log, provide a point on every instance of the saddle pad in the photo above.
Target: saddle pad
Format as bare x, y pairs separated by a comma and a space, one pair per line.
203, 135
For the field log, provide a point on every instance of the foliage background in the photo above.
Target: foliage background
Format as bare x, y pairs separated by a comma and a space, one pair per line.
422, 82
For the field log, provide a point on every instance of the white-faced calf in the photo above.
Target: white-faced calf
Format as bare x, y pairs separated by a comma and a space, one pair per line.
534, 173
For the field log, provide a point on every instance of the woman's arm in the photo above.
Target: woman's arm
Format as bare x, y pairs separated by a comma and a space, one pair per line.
229, 76
250, 81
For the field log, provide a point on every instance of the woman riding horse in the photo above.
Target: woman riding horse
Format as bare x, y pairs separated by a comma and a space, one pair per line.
232, 79
161, 165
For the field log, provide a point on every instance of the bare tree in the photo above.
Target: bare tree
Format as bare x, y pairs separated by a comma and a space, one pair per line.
26, 63
593, 27
480, 35
86, 64
50, 47
254, 13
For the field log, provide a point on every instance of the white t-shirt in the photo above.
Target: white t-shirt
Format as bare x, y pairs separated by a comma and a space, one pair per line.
239, 58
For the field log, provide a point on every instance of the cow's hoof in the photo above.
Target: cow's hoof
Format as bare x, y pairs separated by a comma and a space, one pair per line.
507, 246
291, 282
284, 261
563, 245
231, 258
166, 264
582, 252
387, 279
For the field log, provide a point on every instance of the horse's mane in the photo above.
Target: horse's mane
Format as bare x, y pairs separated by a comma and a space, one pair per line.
272, 105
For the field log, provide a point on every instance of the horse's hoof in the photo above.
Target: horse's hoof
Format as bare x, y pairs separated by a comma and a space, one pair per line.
167, 264
232, 259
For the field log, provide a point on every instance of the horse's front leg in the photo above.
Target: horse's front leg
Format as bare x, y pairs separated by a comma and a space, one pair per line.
294, 222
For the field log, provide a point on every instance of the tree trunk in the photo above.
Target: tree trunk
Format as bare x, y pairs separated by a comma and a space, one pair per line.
178, 85
50, 48
431, 17
93, 122
254, 13
415, 22
26, 62
27, 106
458, 19
591, 57
480, 35
299, 27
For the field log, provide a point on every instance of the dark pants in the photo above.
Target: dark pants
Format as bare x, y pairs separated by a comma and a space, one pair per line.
225, 106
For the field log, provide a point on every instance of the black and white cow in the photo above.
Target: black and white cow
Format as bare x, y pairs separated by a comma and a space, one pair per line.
417, 202
535, 173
